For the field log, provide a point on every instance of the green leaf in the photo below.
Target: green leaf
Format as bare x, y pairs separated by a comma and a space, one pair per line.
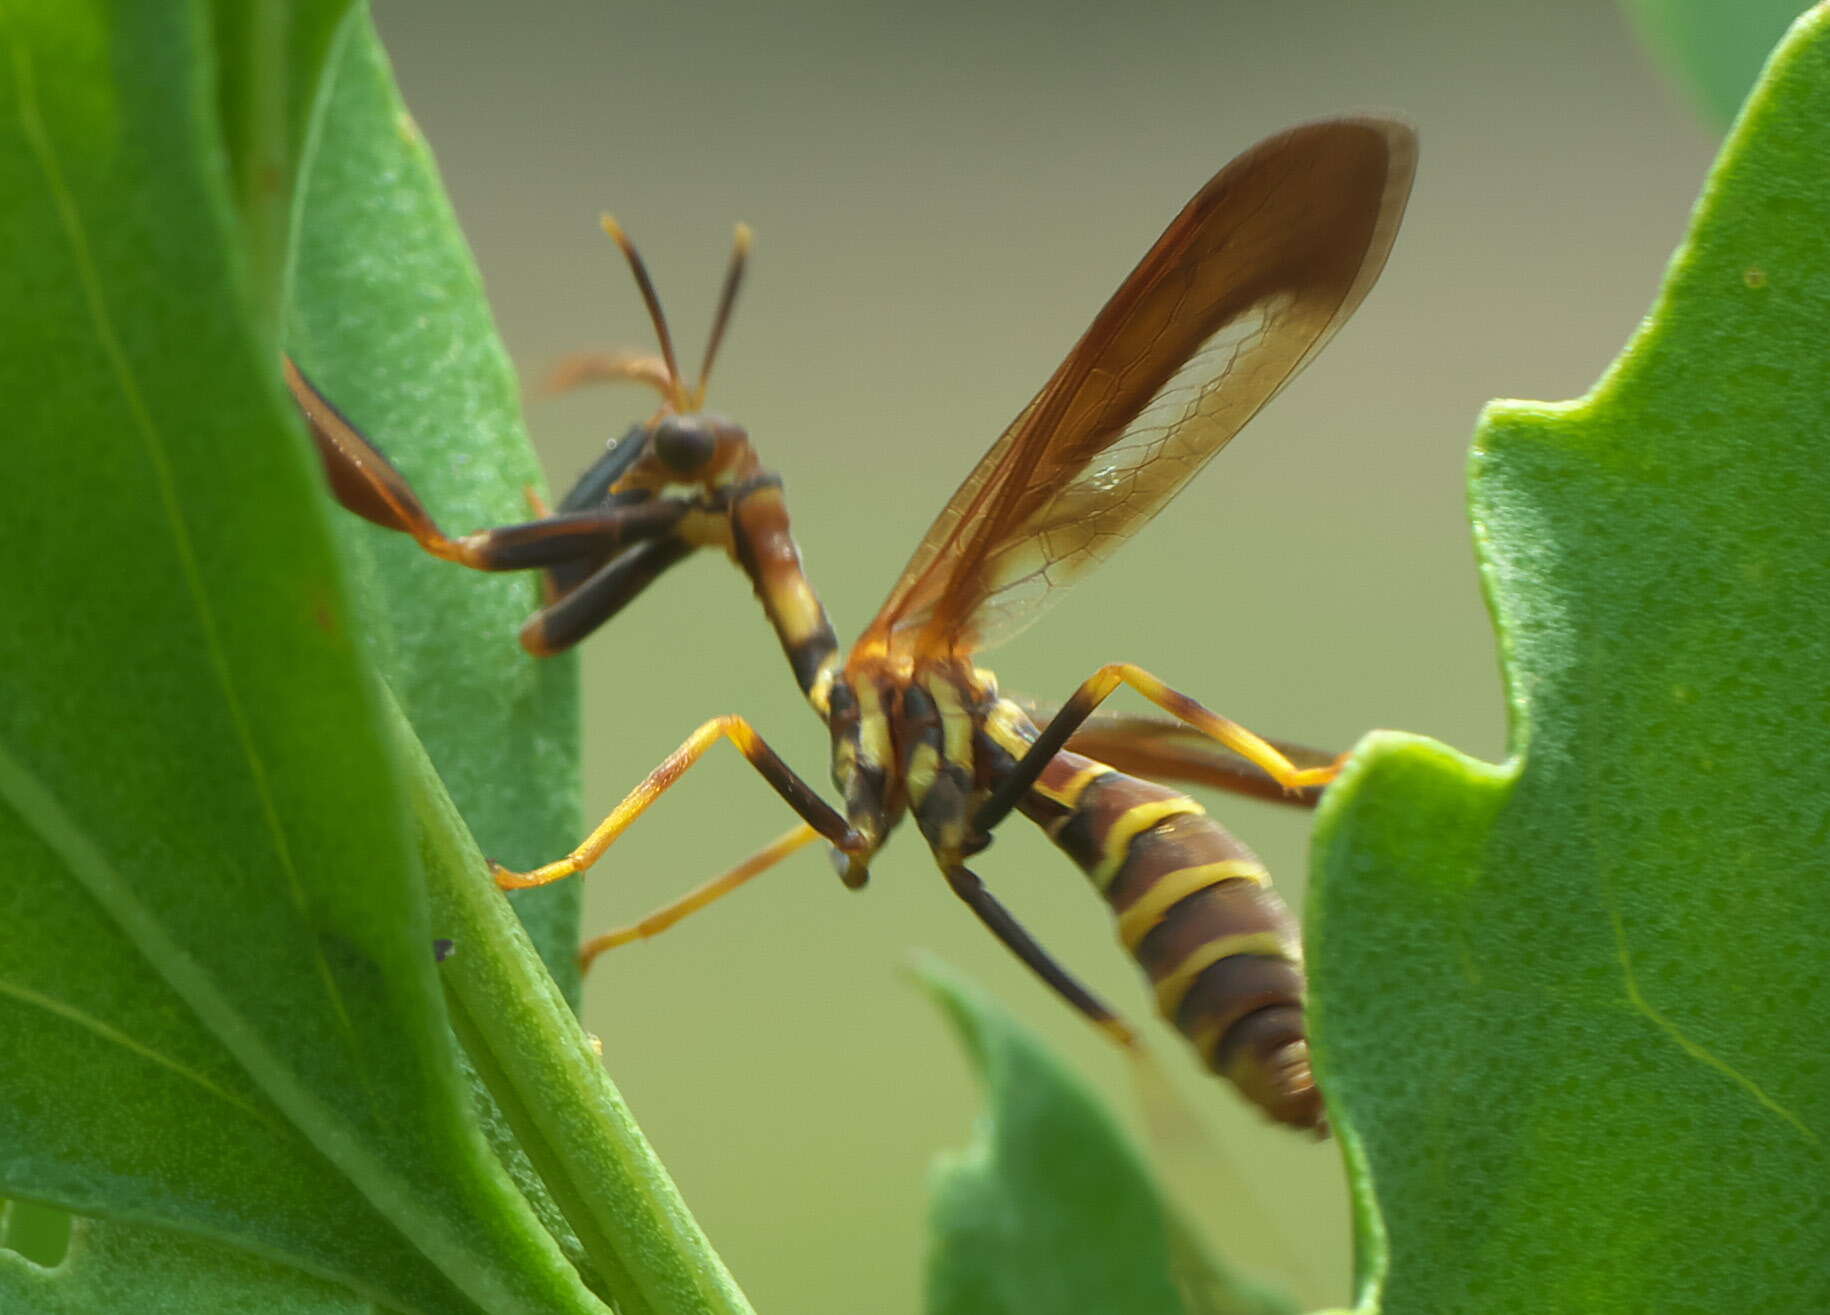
1713, 49
217, 991
39, 1233
126, 1105
389, 319
269, 71
1570, 1012
1050, 1209
643, 1244
119, 1267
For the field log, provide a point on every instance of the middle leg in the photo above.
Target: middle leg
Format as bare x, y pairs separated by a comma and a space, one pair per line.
699, 897
798, 795
1006, 928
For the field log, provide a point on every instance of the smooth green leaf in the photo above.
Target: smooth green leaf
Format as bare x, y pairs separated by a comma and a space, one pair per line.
217, 992
40, 1233
120, 1267
269, 71
121, 1102
1051, 1209
1570, 1012
572, 1123
388, 318
1714, 49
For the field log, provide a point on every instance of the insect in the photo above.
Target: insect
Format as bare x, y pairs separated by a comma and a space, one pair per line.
1243, 288
682, 479
1164, 749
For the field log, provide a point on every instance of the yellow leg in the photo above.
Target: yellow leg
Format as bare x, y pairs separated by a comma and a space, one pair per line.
1230, 733
1073, 714
797, 793
698, 898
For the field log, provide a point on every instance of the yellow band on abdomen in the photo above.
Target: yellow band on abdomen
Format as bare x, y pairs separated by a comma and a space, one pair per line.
1172, 888
1176, 983
1116, 846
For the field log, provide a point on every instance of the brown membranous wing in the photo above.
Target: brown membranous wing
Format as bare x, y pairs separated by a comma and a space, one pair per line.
1247, 283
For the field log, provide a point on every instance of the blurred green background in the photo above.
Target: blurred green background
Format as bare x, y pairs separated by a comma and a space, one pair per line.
942, 197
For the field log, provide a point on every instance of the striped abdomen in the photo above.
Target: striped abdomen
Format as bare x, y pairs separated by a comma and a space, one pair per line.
1197, 910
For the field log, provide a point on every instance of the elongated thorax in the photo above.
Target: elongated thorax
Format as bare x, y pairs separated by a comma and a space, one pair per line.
861, 703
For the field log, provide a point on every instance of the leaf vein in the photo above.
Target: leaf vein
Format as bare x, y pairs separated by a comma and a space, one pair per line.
61, 1009
38, 138
1692, 1048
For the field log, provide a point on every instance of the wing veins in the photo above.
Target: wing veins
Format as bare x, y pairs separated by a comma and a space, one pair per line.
1294, 260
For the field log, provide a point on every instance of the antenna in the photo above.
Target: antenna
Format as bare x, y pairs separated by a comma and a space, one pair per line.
733, 280
642, 281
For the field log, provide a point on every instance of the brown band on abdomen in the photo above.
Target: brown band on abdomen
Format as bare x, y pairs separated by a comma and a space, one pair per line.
1111, 810
1195, 906
1266, 1055
1169, 862
1233, 917
1227, 991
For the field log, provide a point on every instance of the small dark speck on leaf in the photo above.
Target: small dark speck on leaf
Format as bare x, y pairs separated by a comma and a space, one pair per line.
442, 949
324, 614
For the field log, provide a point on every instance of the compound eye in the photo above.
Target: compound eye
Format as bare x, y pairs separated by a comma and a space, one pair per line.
683, 443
